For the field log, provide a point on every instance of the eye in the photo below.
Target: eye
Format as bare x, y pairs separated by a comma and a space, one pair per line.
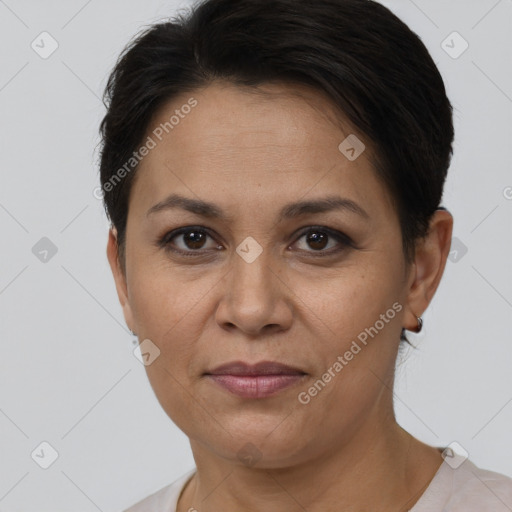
189, 240
324, 241
192, 241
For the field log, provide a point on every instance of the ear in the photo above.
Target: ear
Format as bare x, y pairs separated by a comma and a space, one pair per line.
119, 277
428, 267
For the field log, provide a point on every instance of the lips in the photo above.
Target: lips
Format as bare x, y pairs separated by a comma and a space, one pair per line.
255, 381
263, 368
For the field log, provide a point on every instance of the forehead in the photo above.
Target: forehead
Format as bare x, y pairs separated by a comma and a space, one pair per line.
274, 139
276, 114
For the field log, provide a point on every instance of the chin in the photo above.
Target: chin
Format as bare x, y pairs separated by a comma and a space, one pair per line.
258, 442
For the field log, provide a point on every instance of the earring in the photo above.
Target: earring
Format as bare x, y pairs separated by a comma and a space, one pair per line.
420, 325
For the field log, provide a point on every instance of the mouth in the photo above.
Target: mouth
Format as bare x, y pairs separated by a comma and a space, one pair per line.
260, 380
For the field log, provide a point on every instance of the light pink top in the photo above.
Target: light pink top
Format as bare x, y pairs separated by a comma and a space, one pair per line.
465, 489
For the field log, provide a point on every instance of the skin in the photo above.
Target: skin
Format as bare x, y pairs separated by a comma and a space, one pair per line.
251, 154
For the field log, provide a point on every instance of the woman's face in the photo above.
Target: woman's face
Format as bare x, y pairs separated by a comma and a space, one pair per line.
255, 283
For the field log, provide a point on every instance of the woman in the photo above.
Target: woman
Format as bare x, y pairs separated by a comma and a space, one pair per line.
273, 172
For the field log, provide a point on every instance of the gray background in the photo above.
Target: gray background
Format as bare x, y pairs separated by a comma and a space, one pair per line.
67, 372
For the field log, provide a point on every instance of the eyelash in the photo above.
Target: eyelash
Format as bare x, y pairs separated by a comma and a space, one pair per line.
165, 241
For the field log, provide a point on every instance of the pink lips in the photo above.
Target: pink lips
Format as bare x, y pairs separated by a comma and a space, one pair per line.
255, 381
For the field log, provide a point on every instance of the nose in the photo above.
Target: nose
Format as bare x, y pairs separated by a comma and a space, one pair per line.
256, 297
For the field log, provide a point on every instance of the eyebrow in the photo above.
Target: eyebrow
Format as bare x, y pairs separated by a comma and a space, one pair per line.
289, 211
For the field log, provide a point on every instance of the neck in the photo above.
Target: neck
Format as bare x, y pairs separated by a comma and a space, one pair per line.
378, 469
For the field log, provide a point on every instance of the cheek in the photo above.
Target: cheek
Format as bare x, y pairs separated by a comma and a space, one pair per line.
167, 309
359, 315
351, 300
162, 297
170, 309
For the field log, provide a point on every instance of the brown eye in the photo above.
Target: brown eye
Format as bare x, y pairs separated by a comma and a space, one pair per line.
187, 240
194, 239
323, 241
317, 240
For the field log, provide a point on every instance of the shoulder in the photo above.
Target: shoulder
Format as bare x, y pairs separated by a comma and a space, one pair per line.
165, 499
474, 488
466, 488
